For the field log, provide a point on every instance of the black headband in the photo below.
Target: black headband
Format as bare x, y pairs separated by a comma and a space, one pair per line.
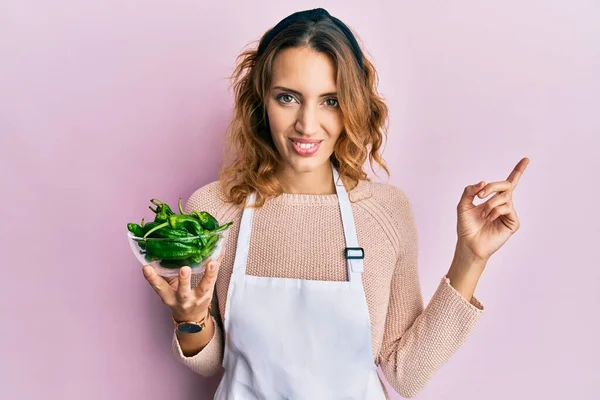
314, 15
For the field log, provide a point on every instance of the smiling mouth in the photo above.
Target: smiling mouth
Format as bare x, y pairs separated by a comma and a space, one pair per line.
305, 147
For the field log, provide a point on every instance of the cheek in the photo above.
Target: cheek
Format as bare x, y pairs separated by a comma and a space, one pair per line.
335, 125
279, 120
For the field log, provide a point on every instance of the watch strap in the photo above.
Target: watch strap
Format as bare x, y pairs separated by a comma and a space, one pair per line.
190, 326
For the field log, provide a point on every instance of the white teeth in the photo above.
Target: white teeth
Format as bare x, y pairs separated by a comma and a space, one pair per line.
305, 145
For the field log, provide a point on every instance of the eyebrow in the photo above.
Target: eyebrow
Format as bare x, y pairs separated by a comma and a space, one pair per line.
300, 94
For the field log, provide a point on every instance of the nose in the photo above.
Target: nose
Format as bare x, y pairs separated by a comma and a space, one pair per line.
308, 121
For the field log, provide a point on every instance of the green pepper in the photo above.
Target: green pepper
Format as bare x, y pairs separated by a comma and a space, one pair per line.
210, 245
137, 230
180, 207
206, 220
163, 205
178, 222
174, 264
220, 228
212, 239
172, 233
163, 230
195, 259
162, 210
150, 227
168, 250
166, 232
185, 221
150, 257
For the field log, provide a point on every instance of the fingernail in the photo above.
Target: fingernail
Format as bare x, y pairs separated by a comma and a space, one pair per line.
147, 270
482, 193
184, 272
211, 266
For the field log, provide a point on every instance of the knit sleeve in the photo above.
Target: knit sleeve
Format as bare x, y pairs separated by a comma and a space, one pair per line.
208, 361
418, 340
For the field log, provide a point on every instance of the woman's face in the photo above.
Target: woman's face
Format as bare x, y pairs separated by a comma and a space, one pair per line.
304, 114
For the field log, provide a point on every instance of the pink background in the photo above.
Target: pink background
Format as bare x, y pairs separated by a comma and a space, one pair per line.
106, 104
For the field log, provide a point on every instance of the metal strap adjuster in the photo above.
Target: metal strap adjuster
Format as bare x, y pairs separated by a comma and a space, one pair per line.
350, 253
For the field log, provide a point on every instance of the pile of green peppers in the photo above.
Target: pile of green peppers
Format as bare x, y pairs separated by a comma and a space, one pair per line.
187, 239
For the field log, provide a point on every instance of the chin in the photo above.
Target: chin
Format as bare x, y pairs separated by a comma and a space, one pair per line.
303, 165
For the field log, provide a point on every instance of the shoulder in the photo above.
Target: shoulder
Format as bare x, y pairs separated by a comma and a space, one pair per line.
391, 207
392, 199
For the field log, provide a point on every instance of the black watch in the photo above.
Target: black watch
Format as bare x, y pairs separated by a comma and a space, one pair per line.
190, 327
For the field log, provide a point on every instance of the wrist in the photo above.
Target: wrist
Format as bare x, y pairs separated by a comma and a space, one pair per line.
191, 325
196, 317
467, 258
465, 271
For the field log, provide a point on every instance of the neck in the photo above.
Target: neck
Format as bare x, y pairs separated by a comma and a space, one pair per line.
319, 181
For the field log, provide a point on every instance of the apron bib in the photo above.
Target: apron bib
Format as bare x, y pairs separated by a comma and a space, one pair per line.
298, 339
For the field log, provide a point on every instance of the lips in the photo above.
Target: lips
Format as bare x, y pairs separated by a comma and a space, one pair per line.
305, 147
299, 140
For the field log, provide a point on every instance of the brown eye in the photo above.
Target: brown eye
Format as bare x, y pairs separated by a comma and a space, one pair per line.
332, 102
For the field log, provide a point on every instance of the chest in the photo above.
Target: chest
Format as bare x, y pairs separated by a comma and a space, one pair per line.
308, 243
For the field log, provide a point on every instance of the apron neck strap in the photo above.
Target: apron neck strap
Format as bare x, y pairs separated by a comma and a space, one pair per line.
353, 253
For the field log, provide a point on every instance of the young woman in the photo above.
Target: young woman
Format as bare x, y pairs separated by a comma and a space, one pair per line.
318, 284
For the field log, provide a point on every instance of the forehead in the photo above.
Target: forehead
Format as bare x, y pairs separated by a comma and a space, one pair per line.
305, 70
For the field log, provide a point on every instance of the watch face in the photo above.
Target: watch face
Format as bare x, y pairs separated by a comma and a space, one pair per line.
189, 328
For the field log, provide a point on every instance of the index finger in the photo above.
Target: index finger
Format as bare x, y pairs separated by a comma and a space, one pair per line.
516, 173
160, 285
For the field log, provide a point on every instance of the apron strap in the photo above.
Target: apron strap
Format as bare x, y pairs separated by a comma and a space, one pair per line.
353, 253
243, 242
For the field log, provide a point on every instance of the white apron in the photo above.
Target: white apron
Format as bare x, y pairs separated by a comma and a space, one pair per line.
298, 339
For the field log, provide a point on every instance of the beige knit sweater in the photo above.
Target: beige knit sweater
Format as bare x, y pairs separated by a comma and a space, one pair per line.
300, 236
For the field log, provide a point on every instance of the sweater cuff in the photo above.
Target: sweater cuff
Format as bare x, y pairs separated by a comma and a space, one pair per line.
208, 360
447, 287
453, 307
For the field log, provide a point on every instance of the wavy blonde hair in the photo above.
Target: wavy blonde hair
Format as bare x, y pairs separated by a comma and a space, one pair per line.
253, 158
